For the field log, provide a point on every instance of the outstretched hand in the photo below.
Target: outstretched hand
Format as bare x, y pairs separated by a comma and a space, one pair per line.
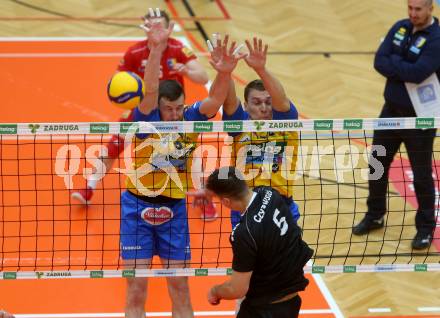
224, 58
156, 33
257, 54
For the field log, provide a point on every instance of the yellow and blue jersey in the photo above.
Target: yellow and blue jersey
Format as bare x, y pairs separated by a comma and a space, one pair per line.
168, 157
265, 152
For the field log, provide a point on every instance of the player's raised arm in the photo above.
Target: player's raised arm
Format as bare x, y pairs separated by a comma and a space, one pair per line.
157, 37
224, 59
257, 60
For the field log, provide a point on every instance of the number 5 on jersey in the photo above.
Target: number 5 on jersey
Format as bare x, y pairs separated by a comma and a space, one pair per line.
281, 223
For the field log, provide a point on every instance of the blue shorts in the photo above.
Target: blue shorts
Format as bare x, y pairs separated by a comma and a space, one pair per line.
149, 229
235, 215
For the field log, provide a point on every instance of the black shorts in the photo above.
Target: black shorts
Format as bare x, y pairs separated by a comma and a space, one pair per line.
286, 309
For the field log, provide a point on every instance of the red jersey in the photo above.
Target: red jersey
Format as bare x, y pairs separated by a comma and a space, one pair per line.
136, 57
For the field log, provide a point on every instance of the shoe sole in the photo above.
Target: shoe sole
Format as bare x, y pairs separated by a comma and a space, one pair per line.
79, 198
374, 227
209, 219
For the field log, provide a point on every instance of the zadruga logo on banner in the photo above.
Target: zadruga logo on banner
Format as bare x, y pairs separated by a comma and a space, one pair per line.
8, 129
61, 128
350, 124
99, 128
424, 123
259, 124
34, 128
232, 126
282, 125
203, 126
323, 124
53, 274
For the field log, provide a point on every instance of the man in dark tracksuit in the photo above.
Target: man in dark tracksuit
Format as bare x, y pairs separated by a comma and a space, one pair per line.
409, 53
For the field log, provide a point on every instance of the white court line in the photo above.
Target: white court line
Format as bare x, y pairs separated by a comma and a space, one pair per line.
327, 295
428, 309
155, 314
379, 310
47, 55
70, 39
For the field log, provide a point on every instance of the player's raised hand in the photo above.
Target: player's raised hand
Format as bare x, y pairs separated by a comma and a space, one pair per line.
257, 54
225, 57
156, 33
215, 47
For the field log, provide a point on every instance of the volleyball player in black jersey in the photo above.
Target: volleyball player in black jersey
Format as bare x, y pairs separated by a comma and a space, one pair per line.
268, 251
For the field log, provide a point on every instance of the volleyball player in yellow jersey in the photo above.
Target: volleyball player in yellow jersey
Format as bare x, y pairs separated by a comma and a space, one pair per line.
265, 155
158, 224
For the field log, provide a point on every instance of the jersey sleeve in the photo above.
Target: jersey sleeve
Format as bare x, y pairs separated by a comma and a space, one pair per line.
126, 63
244, 251
292, 113
139, 116
239, 114
192, 113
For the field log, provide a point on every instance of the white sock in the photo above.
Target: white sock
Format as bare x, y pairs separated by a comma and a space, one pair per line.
92, 182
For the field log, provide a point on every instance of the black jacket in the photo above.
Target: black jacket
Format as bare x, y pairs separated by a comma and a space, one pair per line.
406, 57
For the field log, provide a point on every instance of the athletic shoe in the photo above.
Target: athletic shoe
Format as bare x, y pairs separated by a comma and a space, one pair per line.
366, 225
421, 241
83, 196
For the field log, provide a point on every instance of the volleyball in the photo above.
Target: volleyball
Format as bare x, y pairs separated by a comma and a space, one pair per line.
126, 90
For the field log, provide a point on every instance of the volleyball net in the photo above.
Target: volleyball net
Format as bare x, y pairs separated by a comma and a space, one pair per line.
323, 164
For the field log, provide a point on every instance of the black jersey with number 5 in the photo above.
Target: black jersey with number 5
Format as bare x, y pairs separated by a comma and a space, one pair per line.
267, 241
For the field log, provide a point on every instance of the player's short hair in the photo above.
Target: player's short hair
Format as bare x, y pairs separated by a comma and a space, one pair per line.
227, 182
163, 14
170, 89
255, 84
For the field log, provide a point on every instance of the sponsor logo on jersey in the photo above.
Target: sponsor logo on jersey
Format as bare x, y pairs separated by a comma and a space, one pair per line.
187, 52
420, 42
131, 248
260, 215
157, 216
